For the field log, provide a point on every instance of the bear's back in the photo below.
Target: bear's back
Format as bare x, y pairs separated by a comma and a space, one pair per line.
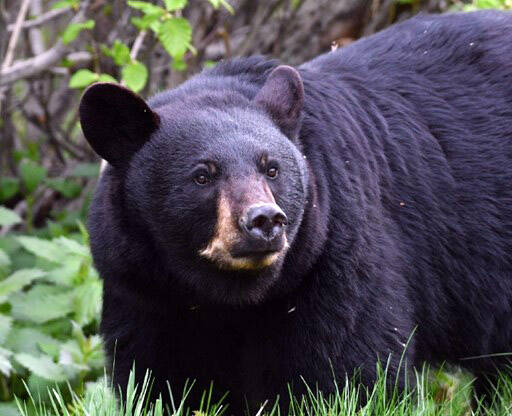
426, 108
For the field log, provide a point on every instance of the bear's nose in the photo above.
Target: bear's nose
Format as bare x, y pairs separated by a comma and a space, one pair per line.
264, 221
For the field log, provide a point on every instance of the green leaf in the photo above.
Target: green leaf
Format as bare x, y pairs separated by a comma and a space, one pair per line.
31, 174
217, 3
29, 340
87, 305
86, 170
119, 52
8, 188
135, 75
146, 8
43, 366
487, 4
5, 364
65, 187
41, 304
50, 349
65, 3
209, 64
73, 30
43, 248
172, 5
10, 409
82, 78
5, 263
175, 35
18, 280
72, 246
5, 327
67, 274
8, 216
107, 78
179, 64
148, 20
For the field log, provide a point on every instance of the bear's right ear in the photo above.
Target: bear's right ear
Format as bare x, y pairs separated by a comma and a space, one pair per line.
282, 97
116, 122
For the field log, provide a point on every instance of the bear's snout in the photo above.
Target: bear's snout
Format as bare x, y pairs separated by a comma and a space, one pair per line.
264, 225
251, 228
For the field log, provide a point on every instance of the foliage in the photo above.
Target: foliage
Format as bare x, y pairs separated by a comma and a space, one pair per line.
50, 300
173, 31
489, 4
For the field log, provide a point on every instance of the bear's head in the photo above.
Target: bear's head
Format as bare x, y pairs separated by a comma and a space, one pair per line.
215, 177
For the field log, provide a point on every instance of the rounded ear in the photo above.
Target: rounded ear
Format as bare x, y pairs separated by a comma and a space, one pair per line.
282, 97
116, 122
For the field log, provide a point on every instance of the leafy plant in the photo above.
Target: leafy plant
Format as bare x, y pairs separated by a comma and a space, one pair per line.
173, 31
73, 30
489, 4
50, 301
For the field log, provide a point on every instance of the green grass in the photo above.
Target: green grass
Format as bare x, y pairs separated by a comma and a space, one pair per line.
437, 393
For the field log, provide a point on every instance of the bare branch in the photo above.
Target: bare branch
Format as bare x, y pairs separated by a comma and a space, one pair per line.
34, 34
137, 44
9, 56
79, 58
32, 66
41, 20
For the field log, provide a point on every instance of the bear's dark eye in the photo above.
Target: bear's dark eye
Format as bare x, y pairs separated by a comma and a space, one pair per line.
201, 179
272, 172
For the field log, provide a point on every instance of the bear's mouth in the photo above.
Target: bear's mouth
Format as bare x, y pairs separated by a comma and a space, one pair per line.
243, 259
243, 253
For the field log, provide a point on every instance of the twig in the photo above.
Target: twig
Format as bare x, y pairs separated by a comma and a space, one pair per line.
139, 40
32, 66
41, 20
75, 59
78, 58
67, 145
9, 56
34, 34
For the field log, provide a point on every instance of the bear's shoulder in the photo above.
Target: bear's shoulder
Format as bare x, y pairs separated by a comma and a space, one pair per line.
423, 42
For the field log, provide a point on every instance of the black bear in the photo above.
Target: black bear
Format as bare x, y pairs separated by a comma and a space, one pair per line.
263, 225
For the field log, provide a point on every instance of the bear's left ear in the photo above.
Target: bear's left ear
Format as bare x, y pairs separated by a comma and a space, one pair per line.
282, 97
116, 122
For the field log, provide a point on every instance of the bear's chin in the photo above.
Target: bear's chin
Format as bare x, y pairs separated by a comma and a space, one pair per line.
247, 281
253, 263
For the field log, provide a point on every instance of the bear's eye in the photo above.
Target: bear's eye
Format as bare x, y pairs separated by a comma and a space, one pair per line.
272, 172
201, 179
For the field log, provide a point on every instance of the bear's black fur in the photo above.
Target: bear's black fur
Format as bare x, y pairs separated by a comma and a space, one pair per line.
395, 173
